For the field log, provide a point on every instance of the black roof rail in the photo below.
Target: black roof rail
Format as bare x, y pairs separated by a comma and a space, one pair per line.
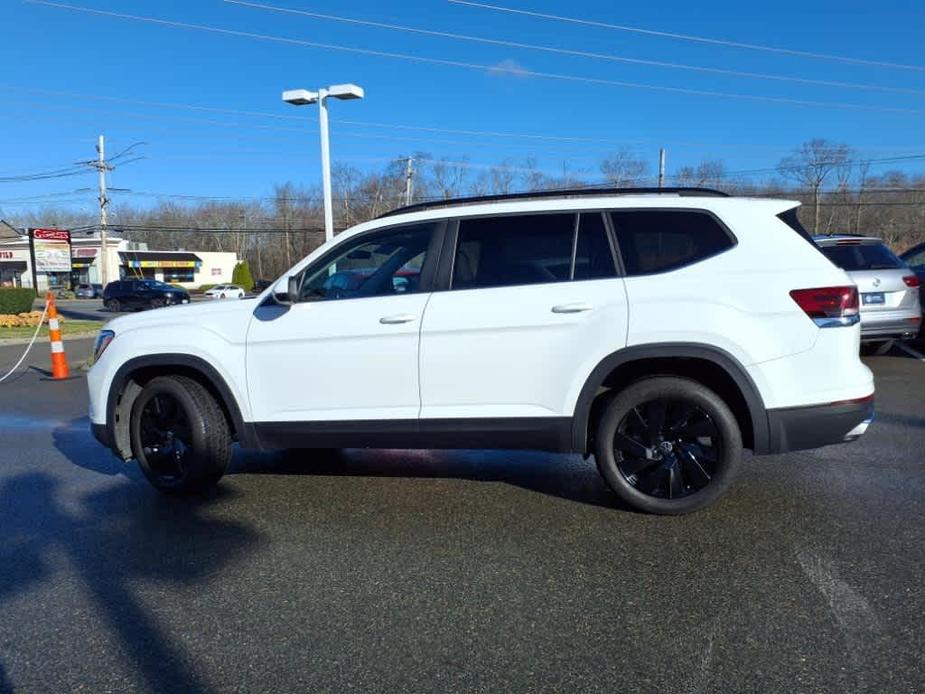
561, 193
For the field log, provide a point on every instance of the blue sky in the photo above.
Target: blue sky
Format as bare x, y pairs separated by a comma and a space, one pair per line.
56, 63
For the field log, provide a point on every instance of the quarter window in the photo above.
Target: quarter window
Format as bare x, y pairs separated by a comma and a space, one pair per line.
654, 241
386, 264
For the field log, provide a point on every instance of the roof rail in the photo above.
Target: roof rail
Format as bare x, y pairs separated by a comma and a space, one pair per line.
562, 193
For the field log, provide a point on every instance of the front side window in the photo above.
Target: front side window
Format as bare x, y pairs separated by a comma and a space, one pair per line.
384, 264
652, 241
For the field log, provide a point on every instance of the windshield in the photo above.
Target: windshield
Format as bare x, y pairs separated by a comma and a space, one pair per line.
862, 256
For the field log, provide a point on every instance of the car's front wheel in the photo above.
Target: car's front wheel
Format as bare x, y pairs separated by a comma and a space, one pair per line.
668, 445
179, 435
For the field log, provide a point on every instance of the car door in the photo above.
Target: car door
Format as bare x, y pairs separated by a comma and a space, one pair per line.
347, 349
534, 302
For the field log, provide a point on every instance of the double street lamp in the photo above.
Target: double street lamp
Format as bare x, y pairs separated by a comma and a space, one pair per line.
301, 97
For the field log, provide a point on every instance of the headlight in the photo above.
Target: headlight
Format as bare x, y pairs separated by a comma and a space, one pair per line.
102, 342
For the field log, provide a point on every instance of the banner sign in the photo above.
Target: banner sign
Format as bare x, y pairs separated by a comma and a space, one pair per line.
51, 249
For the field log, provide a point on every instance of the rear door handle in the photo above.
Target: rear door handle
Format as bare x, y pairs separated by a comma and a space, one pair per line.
577, 307
398, 318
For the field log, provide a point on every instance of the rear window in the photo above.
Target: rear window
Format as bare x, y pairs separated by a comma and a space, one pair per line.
654, 241
862, 256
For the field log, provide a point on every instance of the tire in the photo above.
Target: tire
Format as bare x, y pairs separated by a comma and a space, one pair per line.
179, 435
114, 306
668, 445
158, 302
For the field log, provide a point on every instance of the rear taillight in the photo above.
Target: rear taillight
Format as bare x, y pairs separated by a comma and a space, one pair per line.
911, 281
829, 307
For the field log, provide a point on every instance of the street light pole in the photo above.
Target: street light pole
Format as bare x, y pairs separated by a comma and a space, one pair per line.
301, 97
325, 164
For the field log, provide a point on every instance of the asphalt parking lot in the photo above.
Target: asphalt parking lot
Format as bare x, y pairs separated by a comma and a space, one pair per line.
462, 571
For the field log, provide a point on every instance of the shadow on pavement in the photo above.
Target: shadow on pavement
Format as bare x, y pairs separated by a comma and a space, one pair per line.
565, 477
120, 536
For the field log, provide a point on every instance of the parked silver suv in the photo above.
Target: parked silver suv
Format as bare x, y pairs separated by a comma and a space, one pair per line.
889, 290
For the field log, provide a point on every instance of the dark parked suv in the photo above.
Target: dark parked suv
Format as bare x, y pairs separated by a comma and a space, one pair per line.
136, 294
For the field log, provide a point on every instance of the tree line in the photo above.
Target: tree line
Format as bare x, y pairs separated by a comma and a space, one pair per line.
840, 194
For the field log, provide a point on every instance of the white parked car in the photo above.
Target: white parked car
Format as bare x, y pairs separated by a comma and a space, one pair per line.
226, 291
889, 288
661, 331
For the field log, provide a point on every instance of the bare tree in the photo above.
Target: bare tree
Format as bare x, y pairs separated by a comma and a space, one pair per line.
811, 165
448, 176
709, 172
623, 168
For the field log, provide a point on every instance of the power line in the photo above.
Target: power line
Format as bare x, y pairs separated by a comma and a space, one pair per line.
785, 101
579, 54
689, 37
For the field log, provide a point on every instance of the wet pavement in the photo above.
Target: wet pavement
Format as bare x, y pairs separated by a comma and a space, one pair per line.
456, 571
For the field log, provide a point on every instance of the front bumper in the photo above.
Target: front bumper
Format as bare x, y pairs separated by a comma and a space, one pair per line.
800, 428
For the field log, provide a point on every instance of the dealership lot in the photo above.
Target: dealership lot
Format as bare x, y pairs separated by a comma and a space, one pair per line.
447, 571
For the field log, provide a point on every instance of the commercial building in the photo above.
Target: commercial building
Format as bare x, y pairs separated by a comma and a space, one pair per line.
123, 258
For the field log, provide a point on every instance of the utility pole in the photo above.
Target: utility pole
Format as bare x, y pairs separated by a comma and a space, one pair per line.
409, 175
661, 168
102, 167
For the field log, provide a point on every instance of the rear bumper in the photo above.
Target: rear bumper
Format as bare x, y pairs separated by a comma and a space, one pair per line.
799, 428
893, 324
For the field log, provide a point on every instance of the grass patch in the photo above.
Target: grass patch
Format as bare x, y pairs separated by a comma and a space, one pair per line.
68, 327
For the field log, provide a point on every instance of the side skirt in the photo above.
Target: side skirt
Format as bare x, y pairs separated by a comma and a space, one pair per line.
532, 433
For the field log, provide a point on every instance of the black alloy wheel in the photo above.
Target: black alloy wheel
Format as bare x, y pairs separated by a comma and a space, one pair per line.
115, 306
165, 437
667, 448
668, 445
179, 435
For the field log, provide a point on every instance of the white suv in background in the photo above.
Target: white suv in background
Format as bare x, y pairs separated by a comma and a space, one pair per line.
662, 331
889, 289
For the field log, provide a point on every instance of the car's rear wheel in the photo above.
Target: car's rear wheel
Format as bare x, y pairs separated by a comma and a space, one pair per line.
668, 445
179, 435
114, 306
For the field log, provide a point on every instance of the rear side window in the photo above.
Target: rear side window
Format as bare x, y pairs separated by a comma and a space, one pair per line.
593, 255
516, 249
852, 255
532, 249
652, 241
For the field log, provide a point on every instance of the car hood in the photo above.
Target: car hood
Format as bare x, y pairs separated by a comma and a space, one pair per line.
205, 314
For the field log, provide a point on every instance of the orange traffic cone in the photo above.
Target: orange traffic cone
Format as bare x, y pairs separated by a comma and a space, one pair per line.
59, 368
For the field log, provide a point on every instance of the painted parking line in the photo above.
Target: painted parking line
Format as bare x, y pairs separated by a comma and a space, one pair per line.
911, 352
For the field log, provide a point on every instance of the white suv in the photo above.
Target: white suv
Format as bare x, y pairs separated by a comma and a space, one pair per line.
660, 331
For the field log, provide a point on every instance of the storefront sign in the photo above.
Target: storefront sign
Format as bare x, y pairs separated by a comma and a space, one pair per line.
162, 263
6, 255
51, 249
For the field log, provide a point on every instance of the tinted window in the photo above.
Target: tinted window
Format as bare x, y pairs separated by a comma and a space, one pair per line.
387, 263
915, 259
661, 240
516, 249
858, 256
593, 257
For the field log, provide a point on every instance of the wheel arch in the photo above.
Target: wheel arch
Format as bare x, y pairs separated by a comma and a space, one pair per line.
130, 378
712, 366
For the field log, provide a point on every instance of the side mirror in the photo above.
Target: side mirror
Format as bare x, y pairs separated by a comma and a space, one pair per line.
286, 291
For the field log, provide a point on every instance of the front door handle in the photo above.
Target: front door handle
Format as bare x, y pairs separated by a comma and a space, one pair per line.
577, 307
398, 318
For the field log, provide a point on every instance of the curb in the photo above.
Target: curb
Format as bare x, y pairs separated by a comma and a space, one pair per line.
4, 342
